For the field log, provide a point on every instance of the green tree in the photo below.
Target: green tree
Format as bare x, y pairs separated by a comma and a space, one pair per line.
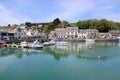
28, 24
56, 21
65, 23
105, 25
9, 25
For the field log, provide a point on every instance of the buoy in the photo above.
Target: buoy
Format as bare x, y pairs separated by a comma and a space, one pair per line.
78, 50
89, 47
98, 56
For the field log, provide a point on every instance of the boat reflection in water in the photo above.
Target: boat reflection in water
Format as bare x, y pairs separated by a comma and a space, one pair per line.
100, 50
72, 48
94, 61
118, 44
18, 52
87, 50
97, 50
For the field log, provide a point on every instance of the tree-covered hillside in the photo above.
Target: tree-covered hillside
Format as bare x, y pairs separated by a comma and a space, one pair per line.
102, 25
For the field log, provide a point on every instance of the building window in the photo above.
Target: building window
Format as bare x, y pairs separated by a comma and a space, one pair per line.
68, 33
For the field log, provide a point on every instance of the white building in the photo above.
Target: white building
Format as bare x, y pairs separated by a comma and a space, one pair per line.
72, 32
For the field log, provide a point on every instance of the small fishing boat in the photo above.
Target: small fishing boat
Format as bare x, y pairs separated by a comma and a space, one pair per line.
90, 40
52, 42
118, 39
24, 43
36, 44
2, 43
61, 42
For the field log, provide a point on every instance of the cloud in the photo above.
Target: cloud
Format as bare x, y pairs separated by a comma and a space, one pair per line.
110, 16
72, 10
80, 9
9, 17
69, 9
108, 10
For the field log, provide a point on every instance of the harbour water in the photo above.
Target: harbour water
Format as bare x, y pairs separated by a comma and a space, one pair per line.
77, 61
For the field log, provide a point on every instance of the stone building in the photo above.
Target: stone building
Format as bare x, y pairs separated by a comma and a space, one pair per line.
60, 33
88, 33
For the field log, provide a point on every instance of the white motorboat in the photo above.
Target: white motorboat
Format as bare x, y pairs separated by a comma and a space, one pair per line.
62, 43
118, 39
36, 44
24, 43
90, 40
52, 42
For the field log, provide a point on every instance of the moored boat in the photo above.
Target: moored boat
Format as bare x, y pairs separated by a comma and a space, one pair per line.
52, 42
90, 40
24, 44
36, 44
62, 43
2, 43
118, 39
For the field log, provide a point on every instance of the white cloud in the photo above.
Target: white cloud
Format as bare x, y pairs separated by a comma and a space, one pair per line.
86, 9
110, 16
9, 17
69, 9
107, 11
113, 17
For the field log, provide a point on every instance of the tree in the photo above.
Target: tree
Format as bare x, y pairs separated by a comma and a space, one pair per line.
105, 24
56, 21
65, 23
9, 25
28, 24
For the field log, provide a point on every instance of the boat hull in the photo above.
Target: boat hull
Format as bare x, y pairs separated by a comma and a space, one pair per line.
62, 43
90, 40
117, 40
36, 47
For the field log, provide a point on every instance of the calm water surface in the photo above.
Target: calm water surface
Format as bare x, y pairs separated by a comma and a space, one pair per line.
78, 61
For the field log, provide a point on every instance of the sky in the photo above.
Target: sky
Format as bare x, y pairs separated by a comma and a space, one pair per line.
21, 11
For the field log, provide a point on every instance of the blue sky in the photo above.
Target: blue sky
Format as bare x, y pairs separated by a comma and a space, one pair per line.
20, 11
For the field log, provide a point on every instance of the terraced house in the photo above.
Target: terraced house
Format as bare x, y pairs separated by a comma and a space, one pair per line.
88, 33
60, 33
72, 32
75, 33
